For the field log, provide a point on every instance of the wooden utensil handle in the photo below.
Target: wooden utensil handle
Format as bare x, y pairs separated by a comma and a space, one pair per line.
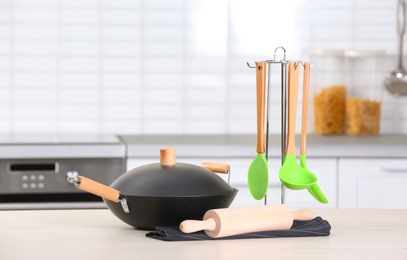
293, 76
305, 95
97, 188
261, 104
216, 167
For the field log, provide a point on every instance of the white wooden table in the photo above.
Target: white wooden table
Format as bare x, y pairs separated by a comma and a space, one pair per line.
98, 234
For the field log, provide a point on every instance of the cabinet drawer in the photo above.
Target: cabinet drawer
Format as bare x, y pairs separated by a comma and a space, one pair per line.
373, 183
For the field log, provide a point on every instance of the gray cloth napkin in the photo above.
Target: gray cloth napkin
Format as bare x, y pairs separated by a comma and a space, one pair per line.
309, 228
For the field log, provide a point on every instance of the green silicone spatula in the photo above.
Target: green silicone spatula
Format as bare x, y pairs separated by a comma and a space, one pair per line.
314, 189
292, 175
258, 175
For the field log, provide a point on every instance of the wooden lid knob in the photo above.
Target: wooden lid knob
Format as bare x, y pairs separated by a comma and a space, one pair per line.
167, 156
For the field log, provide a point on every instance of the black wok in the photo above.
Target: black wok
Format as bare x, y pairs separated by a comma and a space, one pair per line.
164, 193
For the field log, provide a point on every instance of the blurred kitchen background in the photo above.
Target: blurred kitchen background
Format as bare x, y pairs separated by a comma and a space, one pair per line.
179, 67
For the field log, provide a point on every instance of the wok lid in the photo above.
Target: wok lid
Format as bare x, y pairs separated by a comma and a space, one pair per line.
171, 179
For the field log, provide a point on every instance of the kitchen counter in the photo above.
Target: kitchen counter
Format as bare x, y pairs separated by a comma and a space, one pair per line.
391, 146
60, 146
97, 234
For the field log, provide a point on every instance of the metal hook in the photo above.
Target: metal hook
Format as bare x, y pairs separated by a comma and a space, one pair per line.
275, 51
311, 64
299, 62
248, 65
303, 64
283, 60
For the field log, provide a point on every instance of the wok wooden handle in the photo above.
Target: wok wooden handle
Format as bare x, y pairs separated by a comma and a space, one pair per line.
293, 76
304, 125
216, 167
261, 104
234, 221
97, 188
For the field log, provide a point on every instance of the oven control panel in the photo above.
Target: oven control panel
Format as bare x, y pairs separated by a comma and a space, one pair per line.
32, 174
21, 177
33, 181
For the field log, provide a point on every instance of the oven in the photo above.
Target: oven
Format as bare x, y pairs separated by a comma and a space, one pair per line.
33, 173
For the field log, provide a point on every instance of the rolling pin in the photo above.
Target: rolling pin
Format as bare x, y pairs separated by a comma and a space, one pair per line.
234, 221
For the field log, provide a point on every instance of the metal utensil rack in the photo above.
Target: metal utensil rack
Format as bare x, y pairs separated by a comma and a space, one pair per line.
284, 89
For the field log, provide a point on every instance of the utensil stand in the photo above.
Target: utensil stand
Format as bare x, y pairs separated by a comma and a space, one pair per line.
284, 90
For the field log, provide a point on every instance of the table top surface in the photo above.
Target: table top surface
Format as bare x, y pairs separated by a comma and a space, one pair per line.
98, 234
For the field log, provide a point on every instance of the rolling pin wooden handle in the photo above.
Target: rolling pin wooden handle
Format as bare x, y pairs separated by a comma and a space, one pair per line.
216, 167
303, 214
97, 188
190, 226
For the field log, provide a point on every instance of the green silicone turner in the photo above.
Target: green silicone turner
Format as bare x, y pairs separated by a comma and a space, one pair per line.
257, 176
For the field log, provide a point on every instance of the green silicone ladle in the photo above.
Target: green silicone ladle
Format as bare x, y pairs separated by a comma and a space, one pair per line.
292, 175
314, 189
257, 176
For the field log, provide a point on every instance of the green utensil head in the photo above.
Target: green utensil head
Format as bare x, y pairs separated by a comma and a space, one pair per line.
303, 161
258, 177
317, 193
314, 189
294, 176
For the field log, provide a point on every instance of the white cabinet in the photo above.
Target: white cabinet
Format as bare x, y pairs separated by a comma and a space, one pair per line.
323, 168
372, 183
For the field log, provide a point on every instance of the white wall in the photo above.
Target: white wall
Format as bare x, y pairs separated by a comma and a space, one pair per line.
179, 66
